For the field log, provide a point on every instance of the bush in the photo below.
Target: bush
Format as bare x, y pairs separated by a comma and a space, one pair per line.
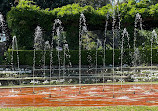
24, 18
26, 57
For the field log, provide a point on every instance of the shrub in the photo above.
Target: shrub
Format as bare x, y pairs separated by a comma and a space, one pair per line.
24, 18
26, 57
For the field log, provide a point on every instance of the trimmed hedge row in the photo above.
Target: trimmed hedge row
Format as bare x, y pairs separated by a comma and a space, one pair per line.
25, 17
26, 57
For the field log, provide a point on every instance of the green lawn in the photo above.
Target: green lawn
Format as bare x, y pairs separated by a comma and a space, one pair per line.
108, 108
116, 83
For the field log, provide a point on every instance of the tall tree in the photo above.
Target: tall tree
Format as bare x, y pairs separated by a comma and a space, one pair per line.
58, 3
52, 3
93, 3
5, 6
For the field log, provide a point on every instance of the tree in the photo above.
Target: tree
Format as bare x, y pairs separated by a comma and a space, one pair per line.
58, 3
52, 3
93, 3
154, 1
5, 6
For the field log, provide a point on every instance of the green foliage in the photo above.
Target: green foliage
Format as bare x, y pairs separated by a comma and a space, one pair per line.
143, 4
52, 3
89, 41
24, 18
147, 34
68, 11
102, 12
154, 10
5, 6
106, 108
144, 7
26, 57
153, 1
93, 3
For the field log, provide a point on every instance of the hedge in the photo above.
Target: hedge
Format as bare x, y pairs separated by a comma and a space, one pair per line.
23, 19
26, 57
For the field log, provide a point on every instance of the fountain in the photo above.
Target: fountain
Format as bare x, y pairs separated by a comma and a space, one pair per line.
124, 49
67, 57
57, 94
104, 48
3, 37
38, 44
96, 58
14, 69
15, 47
46, 47
57, 31
125, 33
154, 37
82, 29
2, 23
138, 19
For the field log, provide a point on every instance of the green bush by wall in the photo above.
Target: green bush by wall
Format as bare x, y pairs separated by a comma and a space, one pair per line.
26, 57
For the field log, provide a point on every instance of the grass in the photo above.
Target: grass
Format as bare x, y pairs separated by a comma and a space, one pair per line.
116, 83
107, 108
